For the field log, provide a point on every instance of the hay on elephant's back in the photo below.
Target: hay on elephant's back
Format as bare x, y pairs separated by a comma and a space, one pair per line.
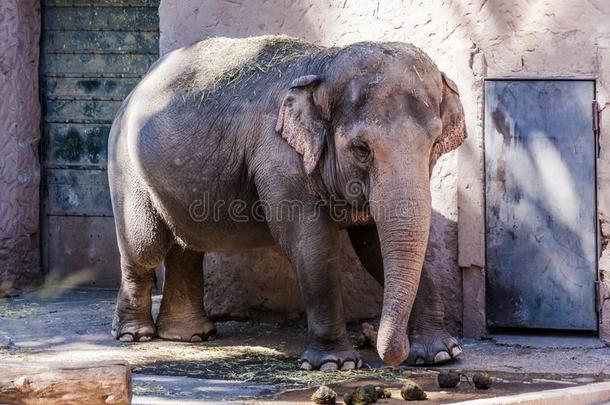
230, 62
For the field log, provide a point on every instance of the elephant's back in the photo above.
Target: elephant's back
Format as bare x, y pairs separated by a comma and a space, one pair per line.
209, 89
215, 66
200, 107
225, 64
190, 83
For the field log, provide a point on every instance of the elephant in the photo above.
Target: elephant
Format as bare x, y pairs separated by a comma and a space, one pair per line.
233, 144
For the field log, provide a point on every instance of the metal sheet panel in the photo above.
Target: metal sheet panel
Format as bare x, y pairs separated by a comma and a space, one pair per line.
83, 250
115, 88
96, 64
93, 52
78, 192
136, 42
64, 110
101, 3
540, 204
95, 18
76, 145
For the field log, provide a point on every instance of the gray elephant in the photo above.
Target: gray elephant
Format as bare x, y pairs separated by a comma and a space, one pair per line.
305, 141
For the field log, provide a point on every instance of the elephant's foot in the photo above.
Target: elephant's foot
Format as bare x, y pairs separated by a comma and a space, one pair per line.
197, 328
342, 356
434, 347
132, 329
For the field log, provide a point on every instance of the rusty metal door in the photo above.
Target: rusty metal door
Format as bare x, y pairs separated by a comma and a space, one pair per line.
93, 53
541, 245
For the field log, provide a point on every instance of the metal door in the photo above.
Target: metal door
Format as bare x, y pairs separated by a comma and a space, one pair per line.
540, 204
93, 53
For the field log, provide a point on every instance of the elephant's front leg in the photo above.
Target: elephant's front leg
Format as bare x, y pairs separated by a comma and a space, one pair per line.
313, 247
315, 256
430, 341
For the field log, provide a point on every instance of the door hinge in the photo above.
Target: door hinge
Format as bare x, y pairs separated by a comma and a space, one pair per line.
596, 130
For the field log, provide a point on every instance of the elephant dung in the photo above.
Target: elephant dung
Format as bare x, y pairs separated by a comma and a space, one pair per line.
361, 396
368, 338
448, 379
411, 391
482, 381
324, 395
383, 393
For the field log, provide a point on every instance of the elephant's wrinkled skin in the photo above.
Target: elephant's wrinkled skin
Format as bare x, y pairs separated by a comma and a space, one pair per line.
326, 139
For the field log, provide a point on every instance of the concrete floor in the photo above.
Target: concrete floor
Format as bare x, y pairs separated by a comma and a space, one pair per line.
251, 362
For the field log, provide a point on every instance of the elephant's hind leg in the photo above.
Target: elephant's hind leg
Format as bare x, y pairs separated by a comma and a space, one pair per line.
143, 241
132, 321
182, 316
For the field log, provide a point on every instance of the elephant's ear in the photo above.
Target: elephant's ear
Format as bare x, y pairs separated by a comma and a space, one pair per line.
452, 116
300, 121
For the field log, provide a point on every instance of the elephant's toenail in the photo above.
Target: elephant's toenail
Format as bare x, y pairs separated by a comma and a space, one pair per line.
144, 338
348, 365
306, 366
127, 337
442, 357
420, 361
456, 351
196, 338
329, 366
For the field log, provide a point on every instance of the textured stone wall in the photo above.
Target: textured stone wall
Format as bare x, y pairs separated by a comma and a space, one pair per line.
19, 137
470, 40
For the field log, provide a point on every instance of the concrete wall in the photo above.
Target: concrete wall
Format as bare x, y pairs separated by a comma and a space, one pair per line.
19, 137
470, 41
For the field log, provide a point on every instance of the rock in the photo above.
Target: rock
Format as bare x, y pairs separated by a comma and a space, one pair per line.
361, 342
324, 395
482, 381
361, 396
368, 338
369, 332
411, 391
383, 393
448, 379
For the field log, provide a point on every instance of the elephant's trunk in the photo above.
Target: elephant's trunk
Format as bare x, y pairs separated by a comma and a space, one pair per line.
402, 211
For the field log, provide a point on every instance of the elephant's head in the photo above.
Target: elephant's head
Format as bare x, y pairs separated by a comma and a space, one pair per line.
371, 123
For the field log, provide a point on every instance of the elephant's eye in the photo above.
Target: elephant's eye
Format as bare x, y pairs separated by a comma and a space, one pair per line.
361, 151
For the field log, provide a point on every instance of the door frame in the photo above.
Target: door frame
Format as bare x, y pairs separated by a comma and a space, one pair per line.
472, 215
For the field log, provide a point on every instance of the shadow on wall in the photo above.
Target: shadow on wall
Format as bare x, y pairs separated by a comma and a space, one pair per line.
261, 285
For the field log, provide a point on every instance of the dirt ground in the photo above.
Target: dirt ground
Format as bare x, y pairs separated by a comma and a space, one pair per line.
254, 363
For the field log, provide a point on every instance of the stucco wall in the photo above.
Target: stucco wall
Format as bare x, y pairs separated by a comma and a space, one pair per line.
469, 40
19, 137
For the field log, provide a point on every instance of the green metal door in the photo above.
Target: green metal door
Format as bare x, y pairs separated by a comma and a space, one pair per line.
93, 52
